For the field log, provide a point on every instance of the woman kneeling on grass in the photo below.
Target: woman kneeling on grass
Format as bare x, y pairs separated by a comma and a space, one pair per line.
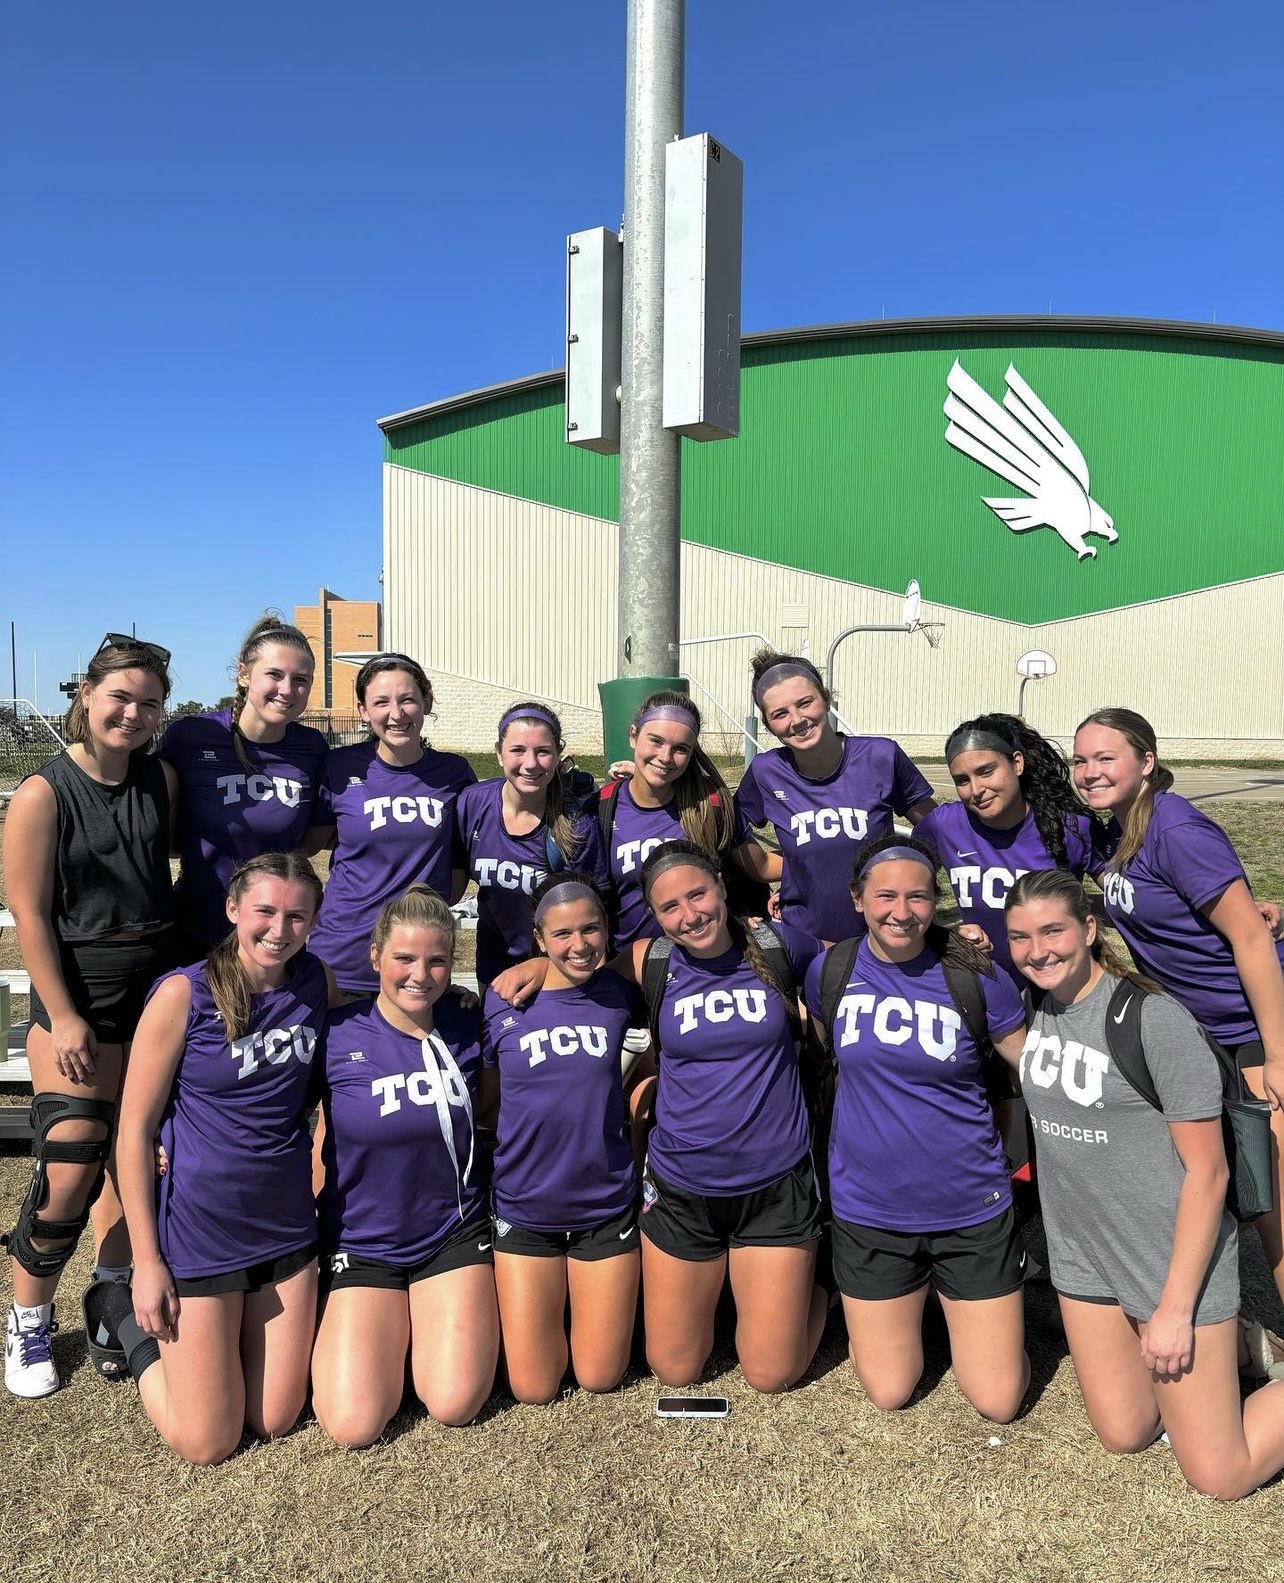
405, 1229
566, 1188
1142, 1248
225, 1250
729, 1185
917, 1174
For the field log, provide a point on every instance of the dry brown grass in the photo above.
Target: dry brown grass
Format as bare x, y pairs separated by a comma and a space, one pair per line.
815, 1485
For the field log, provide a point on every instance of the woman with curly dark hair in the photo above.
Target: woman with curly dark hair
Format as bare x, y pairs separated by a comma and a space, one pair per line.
1017, 811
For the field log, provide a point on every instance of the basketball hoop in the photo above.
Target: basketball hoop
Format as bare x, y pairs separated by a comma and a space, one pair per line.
932, 631
1033, 666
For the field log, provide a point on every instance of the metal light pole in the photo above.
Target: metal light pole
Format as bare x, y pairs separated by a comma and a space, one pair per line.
650, 455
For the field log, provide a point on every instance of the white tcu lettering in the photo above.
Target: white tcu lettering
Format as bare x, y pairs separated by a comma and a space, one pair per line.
830, 823
1118, 891
1077, 1068
563, 1041
994, 883
720, 1005
259, 788
275, 1046
894, 1021
404, 810
632, 854
506, 874
420, 1088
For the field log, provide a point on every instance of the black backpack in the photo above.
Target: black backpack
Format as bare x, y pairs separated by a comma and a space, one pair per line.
1246, 1121
965, 991
746, 897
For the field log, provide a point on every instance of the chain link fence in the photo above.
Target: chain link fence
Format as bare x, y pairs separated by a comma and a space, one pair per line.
27, 740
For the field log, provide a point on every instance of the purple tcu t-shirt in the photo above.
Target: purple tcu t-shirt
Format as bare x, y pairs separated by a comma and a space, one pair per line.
730, 1116
507, 868
563, 1160
239, 1186
395, 827
399, 1133
1185, 862
821, 824
913, 1145
635, 834
226, 815
983, 864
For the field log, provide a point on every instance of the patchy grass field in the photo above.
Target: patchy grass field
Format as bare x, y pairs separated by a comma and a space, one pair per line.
816, 1485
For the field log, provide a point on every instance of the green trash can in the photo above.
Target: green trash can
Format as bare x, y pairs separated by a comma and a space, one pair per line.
621, 700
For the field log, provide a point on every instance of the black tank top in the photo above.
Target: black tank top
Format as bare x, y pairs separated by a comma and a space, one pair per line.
111, 868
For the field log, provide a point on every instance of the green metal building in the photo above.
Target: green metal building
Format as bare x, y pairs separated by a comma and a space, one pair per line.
1135, 531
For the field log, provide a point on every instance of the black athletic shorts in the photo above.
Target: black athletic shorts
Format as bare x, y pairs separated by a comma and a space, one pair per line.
1246, 1055
606, 1240
253, 1278
108, 982
699, 1227
470, 1245
971, 1263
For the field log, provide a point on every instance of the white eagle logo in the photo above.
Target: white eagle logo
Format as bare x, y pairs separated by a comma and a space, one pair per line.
1023, 443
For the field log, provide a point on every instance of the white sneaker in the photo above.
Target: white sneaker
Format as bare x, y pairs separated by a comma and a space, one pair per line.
28, 1358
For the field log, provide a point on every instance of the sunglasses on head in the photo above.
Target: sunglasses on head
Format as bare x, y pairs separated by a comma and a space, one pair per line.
123, 640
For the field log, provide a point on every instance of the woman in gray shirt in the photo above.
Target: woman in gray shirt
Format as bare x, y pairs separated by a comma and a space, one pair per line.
1142, 1249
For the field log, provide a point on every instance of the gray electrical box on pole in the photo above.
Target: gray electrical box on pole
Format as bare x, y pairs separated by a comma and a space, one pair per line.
703, 210
594, 295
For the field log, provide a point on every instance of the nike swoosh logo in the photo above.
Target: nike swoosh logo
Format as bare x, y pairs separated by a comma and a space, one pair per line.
1123, 1009
483, 1247
967, 854
627, 1233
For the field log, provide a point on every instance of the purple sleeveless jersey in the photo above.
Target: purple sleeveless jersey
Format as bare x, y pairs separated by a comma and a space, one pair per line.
1185, 863
730, 1116
913, 1146
239, 1186
507, 869
563, 1161
401, 1172
983, 864
821, 824
395, 828
635, 834
226, 815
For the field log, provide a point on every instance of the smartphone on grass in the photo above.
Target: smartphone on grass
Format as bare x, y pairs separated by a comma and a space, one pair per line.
692, 1407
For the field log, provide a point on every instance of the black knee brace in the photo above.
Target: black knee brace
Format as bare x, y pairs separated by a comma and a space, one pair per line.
47, 1110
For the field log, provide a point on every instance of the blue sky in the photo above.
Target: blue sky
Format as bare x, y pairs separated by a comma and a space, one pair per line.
238, 233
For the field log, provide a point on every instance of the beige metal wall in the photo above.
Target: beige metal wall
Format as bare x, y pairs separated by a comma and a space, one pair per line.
501, 597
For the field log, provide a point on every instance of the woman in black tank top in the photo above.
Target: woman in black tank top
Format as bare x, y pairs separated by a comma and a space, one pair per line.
86, 861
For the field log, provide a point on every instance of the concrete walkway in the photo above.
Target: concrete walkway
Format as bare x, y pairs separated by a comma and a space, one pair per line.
1206, 785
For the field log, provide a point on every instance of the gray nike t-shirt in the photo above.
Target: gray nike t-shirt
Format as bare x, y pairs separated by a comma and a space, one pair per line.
1109, 1175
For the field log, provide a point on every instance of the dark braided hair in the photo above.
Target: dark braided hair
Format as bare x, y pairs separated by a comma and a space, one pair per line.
1045, 776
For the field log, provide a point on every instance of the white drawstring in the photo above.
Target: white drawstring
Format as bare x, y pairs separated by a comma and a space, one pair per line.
441, 1064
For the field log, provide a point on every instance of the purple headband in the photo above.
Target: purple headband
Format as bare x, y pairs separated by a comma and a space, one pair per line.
890, 854
568, 890
678, 713
782, 673
526, 712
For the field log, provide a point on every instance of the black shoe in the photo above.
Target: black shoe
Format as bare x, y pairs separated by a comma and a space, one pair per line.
104, 1305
